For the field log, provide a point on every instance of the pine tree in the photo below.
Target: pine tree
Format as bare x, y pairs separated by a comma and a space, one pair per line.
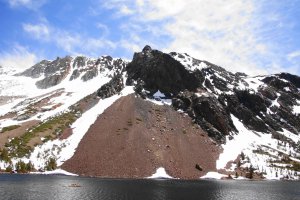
51, 164
242, 156
251, 171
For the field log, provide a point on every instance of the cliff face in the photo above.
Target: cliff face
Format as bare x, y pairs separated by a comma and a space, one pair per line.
202, 109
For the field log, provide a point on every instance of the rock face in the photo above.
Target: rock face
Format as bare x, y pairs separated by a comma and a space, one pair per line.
37, 70
114, 86
160, 71
209, 94
56, 71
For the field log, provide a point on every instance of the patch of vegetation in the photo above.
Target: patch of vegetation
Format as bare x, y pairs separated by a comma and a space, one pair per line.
9, 128
260, 151
4, 155
251, 172
242, 156
296, 166
18, 146
22, 167
50, 164
9, 169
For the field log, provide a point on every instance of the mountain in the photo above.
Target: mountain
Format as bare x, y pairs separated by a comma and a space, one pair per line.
115, 118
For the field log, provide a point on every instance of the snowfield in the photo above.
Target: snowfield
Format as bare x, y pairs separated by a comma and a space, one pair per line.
248, 142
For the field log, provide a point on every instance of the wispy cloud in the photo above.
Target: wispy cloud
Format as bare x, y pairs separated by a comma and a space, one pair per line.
30, 4
38, 31
294, 54
18, 57
72, 42
230, 33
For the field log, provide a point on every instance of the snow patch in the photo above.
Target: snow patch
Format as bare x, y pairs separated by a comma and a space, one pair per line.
159, 95
235, 146
213, 175
160, 173
56, 172
296, 108
159, 98
189, 63
253, 82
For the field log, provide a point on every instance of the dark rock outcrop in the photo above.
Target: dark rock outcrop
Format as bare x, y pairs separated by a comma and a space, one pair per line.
159, 71
54, 72
37, 70
49, 81
207, 112
90, 74
291, 78
114, 86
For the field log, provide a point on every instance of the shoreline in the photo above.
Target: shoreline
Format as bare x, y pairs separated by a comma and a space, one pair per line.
64, 173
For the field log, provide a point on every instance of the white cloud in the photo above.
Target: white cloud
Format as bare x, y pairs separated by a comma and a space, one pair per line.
125, 10
30, 4
38, 31
19, 57
72, 42
294, 54
103, 28
218, 31
230, 33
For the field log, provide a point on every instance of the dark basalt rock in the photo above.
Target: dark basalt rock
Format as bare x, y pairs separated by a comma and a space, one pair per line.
90, 74
54, 72
114, 86
79, 62
253, 102
49, 81
268, 92
243, 110
59, 65
211, 131
37, 70
290, 121
210, 109
207, 112
75, 74
292, 78
279, 84
160, 71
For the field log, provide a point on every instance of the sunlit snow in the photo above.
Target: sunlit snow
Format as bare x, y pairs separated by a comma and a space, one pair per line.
160, 173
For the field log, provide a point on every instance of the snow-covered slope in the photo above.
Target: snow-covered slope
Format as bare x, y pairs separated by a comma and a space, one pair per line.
23, 102
47, 109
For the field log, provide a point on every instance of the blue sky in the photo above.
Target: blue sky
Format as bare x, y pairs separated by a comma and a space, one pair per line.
252, 36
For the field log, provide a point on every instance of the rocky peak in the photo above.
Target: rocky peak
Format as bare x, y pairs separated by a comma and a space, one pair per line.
36, 70
147, 50
160, 71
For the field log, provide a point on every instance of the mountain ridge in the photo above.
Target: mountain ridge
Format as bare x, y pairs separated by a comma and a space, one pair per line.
224, 105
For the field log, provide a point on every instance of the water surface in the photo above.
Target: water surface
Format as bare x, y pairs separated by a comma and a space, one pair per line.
38, 187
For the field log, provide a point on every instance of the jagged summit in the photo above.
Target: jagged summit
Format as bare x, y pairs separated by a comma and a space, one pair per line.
147, 49
155, 70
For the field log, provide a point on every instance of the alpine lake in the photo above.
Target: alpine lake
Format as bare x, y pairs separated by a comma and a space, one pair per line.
37, 187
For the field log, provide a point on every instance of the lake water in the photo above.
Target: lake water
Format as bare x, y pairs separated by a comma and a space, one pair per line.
42, 187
